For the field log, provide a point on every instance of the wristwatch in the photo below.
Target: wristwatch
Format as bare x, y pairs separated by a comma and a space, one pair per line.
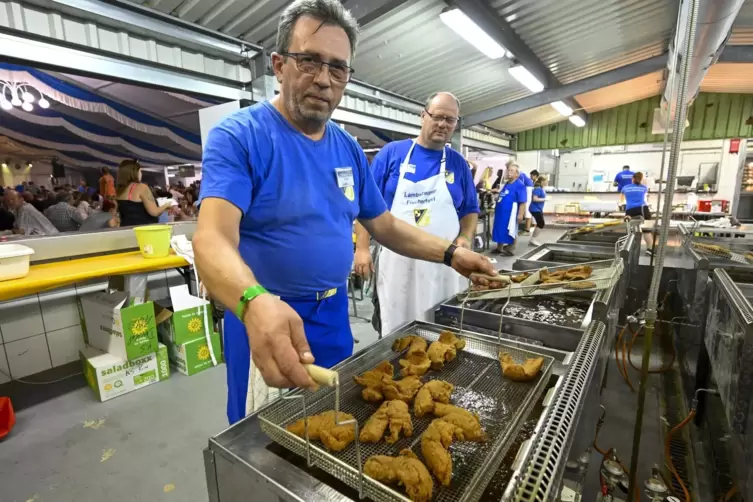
448, 254
248, 295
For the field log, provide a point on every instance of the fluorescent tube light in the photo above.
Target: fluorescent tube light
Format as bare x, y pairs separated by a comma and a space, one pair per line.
525, 77
470, 31
577, 120
562, 108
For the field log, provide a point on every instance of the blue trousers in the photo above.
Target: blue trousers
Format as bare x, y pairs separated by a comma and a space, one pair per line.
327, 330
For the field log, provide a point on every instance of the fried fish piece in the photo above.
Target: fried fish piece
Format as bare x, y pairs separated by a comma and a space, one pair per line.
579, 273
525, 372
322, 427
372, 381
406, 470
413, 343
394, 414
462, 418
416, 364
445, 349
432, 392
435, 442
580, 285
404, 389
520, 277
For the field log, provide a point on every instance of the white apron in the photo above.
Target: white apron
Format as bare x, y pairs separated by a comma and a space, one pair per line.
409, 288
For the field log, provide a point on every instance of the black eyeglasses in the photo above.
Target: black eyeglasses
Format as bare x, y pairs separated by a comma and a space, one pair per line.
441, 118
313, 65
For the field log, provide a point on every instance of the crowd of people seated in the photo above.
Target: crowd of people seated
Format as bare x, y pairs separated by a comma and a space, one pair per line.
29, 209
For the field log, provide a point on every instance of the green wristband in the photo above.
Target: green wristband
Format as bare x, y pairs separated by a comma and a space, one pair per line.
466, 237
246, 298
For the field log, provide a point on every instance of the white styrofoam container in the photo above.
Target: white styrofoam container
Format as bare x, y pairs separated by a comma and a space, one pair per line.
14, 261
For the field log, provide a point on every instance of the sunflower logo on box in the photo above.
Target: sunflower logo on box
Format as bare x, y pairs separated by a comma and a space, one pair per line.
203, 353
194, 325
139, 326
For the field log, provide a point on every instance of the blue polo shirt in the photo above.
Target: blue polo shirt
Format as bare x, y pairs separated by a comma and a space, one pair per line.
527, 181
635, 195
286, 186
623, 179
386, 170
538, 207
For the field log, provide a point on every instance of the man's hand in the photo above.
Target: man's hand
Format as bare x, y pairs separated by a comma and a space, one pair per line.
363, 265
466, 262
278, 343
462, 241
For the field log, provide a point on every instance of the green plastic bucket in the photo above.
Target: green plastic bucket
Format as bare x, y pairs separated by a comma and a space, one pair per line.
154, 240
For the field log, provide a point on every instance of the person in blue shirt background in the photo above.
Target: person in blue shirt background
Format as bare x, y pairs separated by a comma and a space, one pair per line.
427, 184
536, 209
636, 205
623, 179
281, 187
528, 182
509, 212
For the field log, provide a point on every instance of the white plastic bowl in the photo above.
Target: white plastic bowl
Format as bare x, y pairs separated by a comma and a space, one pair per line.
14, 261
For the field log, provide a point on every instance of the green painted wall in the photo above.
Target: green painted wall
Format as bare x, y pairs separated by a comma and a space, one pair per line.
712, 116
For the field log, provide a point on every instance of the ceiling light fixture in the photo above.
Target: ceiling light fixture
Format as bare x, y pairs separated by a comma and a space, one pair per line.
464, 26
21, 95
562, 108
577, 120
525, 77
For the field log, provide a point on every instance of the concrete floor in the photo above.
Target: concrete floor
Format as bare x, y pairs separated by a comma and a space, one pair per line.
146, 445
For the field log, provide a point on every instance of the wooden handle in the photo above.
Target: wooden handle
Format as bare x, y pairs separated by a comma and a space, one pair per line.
322, 376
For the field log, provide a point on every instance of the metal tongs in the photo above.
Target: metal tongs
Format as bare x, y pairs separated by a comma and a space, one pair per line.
328, 378
493, 278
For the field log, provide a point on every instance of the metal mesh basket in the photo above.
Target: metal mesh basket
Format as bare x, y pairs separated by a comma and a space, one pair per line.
609, 226
733, 255
605, 275
502, 406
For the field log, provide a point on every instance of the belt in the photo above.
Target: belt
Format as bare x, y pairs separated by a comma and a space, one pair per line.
326, 294
318, 296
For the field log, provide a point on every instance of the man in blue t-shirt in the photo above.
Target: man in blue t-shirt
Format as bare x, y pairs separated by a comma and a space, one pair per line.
623, 178
428, 185
281, 187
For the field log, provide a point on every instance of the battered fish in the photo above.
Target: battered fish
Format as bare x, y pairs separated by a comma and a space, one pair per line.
404, 389
322, 427
431, 392
435, 442
372, 381
462, 418
525, 372
405, 470
392, 413
445, 349
413, 343
416, 364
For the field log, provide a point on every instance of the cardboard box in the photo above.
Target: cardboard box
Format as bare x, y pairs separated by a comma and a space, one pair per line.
181, 320
110, 376
192, 357
127, 332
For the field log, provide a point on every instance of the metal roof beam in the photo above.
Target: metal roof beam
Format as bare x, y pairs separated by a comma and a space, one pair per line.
153, 24
564, 92
488, 20
368, 12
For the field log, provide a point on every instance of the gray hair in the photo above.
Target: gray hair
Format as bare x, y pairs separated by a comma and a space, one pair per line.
431, 98
326, 11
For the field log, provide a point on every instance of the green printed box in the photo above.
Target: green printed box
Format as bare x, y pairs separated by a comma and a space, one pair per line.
110, 376
193, 357
127, 332
181, 326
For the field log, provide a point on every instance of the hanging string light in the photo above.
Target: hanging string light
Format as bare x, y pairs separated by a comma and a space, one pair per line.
20, 95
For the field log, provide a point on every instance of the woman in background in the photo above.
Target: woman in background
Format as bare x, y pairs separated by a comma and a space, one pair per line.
136, 203
636, 205
83, 204
538, 198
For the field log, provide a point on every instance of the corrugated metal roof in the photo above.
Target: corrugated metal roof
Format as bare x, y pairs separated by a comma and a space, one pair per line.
580, 38
411, 52
535, 117
742, 30
624, 92
729, 77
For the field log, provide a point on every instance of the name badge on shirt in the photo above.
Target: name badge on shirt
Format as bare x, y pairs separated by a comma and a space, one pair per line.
344, 177
410, 168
